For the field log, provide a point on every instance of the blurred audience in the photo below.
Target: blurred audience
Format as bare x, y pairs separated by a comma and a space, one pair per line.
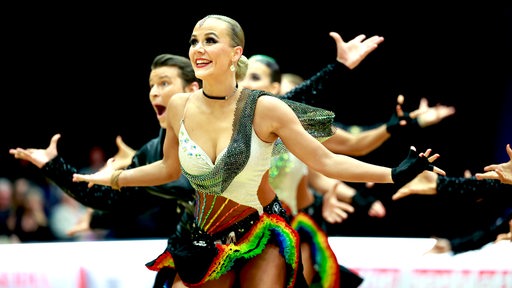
30, 220
66, 214
6, 211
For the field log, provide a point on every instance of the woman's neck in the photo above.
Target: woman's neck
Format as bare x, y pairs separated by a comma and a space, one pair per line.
221, 97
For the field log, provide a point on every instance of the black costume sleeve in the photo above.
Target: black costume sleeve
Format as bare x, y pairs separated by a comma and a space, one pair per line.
101, 220
481, 237
362, 201
156, 222
472, 189
394, 127
107, 199
97, 197
312, 90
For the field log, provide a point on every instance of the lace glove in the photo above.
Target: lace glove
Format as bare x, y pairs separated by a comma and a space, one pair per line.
409, 168
393, 126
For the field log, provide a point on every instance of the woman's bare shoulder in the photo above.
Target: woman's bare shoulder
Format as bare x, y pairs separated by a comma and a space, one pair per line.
176, 105
270, 102
180, 98
271, 115
270, 105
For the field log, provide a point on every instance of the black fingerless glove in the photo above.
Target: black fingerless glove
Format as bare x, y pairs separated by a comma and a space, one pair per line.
362, 201
393, 125
410, 168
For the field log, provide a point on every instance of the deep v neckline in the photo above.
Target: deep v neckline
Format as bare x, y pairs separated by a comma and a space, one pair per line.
197, 166
201, 150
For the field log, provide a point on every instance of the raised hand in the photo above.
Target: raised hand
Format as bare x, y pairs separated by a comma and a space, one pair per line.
335, 210
424, 116
124, 155
122, 159
423, 184
428, 116
83, 224
413, 165
502, 172
399, 118
38, 157
351, 53
102, 177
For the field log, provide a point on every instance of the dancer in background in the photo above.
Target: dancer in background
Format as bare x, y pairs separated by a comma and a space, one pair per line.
493, 186
136, 212
298, 187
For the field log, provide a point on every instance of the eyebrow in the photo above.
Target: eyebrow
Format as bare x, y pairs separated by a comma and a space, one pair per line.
207, 34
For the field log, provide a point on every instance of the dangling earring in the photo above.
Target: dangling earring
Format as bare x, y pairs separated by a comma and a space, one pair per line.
232, 68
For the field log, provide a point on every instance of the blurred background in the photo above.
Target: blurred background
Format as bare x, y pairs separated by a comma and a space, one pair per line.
83, 72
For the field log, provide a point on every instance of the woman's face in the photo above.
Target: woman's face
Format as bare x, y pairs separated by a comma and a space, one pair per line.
258, 78
286, 85
164, 82
211, 52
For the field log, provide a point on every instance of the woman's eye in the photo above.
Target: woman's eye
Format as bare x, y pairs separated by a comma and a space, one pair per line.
255, 77
210, 40
164, 84
206, 41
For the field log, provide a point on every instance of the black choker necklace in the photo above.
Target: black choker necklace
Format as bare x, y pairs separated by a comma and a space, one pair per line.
221, 97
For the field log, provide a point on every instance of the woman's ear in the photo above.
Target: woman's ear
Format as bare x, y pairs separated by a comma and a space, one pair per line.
237, 53
275, 87
194, 86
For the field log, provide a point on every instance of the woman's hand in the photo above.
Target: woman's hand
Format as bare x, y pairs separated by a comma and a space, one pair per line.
414, 165
424, 184
424, 116
102, 177
124, 155
335, 210
428, 116
353, 52
502, 172
83, 224
122, 159
38, 157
